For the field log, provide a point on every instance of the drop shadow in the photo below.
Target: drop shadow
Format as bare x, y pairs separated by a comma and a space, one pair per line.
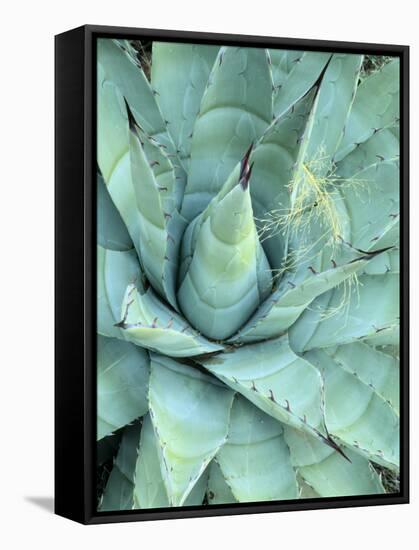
45, 503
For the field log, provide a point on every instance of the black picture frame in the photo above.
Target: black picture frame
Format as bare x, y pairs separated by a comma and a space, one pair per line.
75, 274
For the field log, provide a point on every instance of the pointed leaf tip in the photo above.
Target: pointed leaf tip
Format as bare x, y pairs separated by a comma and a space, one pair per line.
366, 253
133, 125
246, 168
331, 443
244, 182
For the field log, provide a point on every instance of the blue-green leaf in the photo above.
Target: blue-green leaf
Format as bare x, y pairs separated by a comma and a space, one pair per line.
356, 413
306, 70
292, 297
218, 492
149, 322
383, 145
377, 370
122, 384
373, 206
160, 225
120, 70
376, 106
149, 489
115, 270
327, 120
367, 308
121, 80
255, 459
190, 412
235, 110
111, 230
329, 473
273, 162
274, 379
282, 63
179, 74
119, 491
228, 274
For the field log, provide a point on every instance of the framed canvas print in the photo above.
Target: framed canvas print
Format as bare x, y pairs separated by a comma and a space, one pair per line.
231, 274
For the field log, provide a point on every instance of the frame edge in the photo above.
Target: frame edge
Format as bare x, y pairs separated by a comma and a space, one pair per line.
69, 475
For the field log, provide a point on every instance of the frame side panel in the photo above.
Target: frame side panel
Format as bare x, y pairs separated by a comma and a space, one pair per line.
405, 273
69, 275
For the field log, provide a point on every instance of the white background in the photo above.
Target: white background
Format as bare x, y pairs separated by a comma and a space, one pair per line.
26, 315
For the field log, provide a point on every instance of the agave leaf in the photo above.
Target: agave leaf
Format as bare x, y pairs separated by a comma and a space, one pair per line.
190, 236
312, 197
336, 96
377, 370
349, 313
197, 495
120, 82
274, 379
386, 262
305, 490
350, 232
273, 162
255, 460
115, 270
218, 492
150, 323
187, 247
355, 412
111, 230
228, 275
373, 206
336, 477
121, 190
166, 170
383, 145
327, 120
307, 69
113, 150
113, 154
120, 69
316, 216
304, 448
292, 297
122, 382
235, 110
161, 227
388, 336
112, 125
119, 491
376, 106
282, 63
190, 413
327, 472
391, 350
179, 74
149, 489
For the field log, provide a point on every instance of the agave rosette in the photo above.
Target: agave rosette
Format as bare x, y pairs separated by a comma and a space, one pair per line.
248, 211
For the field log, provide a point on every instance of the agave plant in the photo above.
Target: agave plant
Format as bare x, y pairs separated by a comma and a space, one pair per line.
247, 263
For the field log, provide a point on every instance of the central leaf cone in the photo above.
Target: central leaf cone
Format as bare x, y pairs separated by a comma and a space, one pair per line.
225, 273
